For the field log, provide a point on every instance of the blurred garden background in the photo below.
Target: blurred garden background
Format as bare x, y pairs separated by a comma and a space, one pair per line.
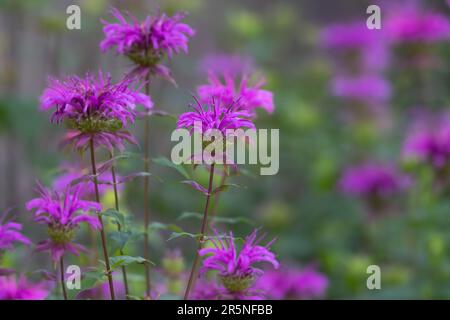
364, 133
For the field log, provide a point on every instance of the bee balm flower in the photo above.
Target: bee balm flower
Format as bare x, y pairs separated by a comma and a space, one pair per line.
94, 108
62, 213
147, 42
237, 271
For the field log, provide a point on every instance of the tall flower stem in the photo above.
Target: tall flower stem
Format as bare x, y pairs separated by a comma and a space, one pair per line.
217, 195
63, 285
147, 192
102, 231
193, 276
119, 227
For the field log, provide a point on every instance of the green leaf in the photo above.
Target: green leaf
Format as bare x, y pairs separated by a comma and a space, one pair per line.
117, 217
163, 161
119, 239
162, 226
119, 261
176, 235
92, 278
226, 186
226, 220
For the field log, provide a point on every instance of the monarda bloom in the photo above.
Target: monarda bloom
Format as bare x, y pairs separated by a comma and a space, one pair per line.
147, 42
94, 109
236, 270
293, 283
10, 232
228, 88
429, 141
62, 212
215, 115
375, 183
366, 89
13, 289
412, 24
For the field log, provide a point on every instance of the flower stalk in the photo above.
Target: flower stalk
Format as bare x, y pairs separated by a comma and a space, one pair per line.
102, 231
194, 271
119, 227
63, 285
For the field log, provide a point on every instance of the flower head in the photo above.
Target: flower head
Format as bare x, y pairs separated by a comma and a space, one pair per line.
237, 271
232, 64
10, 232
13, 289
373, 180
147, 42
94, 108
412, 24
216, 116
364, 89
237, 88
293, 283
62, 212
429, 141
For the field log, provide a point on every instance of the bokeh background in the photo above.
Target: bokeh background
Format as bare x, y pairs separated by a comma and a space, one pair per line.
323, 131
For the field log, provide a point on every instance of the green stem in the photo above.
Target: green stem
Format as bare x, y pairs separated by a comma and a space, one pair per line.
193, 276
146, 193
102, 231
63, 285
119, 228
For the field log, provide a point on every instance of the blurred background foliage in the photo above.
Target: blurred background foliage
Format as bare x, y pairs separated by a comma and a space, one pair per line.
301, 205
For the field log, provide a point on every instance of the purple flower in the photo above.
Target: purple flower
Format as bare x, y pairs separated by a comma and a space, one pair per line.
216, 116
94, 108
237, 271
293, 283
373, 180
364, 89
250, 96
13, 289
101, 292
412, 24
206, 290
10, 232
231, 64
429, 140
146, 43
355, 46
62, 213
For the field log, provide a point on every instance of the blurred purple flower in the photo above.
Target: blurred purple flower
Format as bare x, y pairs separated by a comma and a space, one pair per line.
206, 290
356, 45
101, 292
216, 116
365, 89
293, 283
94, 108
10, 233
237, 272
62, 212
249, 96
412, 24
146, 43
13, 289
373, 180
232, 64
429, 140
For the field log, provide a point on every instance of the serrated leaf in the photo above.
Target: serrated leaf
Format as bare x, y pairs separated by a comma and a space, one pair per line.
119, 261
163, 161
